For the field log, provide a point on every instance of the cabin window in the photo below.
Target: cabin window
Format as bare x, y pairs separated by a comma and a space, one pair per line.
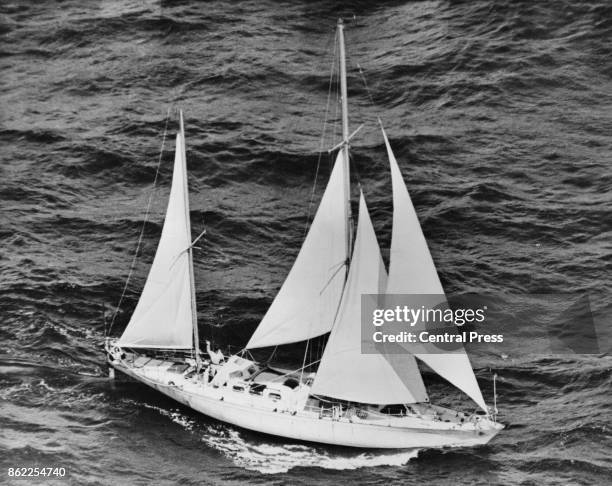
362, 414
291, 383
397, 409
238, 388
257, 389
274, 396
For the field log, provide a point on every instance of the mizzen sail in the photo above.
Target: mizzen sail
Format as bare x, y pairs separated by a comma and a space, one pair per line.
163, 316
412, 271
345, 372
307, 303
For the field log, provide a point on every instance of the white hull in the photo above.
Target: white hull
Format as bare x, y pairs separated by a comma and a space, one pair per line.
261, 415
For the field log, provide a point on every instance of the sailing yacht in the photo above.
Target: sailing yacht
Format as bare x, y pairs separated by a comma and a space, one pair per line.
351, 398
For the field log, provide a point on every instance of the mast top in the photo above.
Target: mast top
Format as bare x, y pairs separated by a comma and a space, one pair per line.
345, 139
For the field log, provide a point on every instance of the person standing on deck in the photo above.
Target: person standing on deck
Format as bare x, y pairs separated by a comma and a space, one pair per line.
216, 357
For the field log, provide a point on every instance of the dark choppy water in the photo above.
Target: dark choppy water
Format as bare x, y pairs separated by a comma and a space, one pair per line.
500, 115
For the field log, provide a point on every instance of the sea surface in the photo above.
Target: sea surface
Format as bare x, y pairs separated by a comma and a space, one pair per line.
500, 115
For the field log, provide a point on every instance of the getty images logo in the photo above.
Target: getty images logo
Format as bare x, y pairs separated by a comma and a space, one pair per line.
411, 316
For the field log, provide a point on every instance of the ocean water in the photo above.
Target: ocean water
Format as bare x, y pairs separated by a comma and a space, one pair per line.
500, 115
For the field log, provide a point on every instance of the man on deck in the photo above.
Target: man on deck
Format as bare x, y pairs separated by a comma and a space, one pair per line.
216, 357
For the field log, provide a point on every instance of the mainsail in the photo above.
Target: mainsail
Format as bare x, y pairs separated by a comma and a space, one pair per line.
163, 316
345, 372
412, 271
307, 303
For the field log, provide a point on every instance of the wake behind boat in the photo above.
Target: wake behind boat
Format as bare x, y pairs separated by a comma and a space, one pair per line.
351, 398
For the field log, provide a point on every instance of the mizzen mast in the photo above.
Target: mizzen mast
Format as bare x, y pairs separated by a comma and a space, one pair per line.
345, 140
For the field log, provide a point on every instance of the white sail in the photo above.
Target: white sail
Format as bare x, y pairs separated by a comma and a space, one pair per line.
163, 315
306, 305
345, 372
412, 271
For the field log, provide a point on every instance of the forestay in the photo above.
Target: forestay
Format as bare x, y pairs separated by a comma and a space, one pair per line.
163, 315
344, 372
412, 271
306, 305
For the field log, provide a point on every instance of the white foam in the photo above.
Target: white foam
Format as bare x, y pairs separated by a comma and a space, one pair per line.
273, 458
177, 417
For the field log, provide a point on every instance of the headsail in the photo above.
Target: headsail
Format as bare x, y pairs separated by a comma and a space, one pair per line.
412, 271
346, 373
163, 316
306, 305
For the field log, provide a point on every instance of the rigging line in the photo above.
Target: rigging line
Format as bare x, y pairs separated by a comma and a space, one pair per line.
314, 341
369, 93
340, 266
363, 78
365, 83
331, 162
304, 360
190, 247
144, 224
321, 148
273, 353
294, 371
322, 145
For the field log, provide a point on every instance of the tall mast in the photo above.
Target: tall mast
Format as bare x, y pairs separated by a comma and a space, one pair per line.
345, 138
194, 313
